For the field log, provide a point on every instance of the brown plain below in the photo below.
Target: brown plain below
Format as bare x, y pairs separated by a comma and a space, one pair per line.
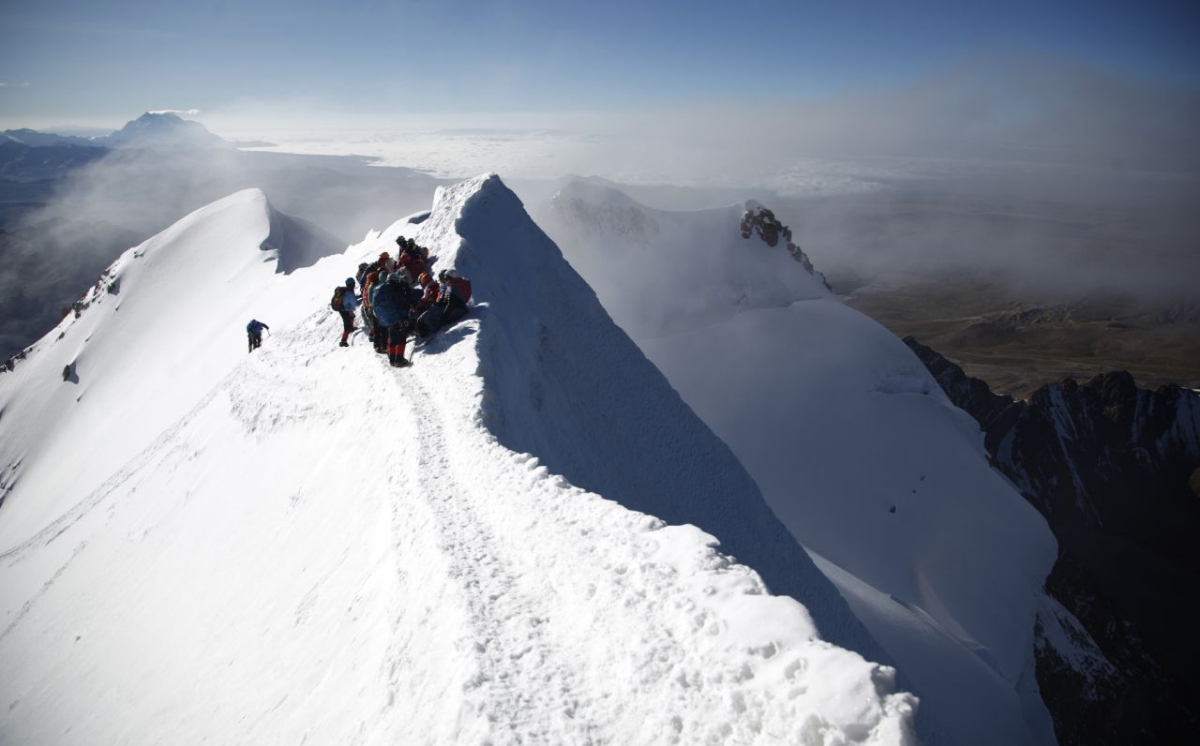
1017, 343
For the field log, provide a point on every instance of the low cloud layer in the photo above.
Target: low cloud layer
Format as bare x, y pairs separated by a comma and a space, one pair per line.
1047, 113
1018, 112
1053, 178
1049, 175
52, 254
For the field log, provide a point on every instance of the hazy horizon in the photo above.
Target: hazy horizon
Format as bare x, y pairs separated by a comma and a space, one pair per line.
628, 90
1055, 143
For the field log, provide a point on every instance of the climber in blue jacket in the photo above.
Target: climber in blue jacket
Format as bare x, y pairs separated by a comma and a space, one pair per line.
255, 329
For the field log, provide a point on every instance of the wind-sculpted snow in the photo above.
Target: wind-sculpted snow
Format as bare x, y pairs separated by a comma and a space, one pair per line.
560, 380
297, 243
318, 548
675, 271
854, 446
159, 330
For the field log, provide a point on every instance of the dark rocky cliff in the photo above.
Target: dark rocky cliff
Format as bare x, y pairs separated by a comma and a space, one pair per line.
1113, 468
758, 219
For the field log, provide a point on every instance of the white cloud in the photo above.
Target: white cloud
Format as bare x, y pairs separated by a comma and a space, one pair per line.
1045, 112
178, 112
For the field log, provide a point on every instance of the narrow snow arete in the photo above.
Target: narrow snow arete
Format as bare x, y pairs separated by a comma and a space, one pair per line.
298, 544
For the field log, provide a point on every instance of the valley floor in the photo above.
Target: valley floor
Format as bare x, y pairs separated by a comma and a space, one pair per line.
1018, 343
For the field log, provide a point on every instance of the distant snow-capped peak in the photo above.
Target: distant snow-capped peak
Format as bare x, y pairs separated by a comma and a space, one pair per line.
164, 129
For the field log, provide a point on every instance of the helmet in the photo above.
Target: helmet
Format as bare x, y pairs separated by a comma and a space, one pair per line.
424, 278
349, 282
442, 276
384, 257
400, 240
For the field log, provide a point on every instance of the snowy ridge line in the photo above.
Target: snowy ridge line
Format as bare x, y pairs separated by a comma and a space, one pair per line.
564, 383
538, 369
131, 340
520, 670
766, 674
424, 651
170, 434
319, 548
291, 394
854, 446
531, 607
435, 501
767, 688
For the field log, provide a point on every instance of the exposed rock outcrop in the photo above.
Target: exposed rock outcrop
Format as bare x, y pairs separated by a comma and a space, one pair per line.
761, 220
1110, 466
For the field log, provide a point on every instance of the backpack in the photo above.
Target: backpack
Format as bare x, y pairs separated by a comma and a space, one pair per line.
455, 286
391, 303
338, 293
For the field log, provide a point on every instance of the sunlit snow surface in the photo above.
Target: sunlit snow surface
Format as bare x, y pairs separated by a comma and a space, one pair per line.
853, 443
305, 545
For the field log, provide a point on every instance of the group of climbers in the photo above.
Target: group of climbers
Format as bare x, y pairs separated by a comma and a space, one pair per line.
400, 298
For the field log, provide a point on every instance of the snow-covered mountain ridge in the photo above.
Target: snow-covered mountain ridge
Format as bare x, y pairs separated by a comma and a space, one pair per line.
306, 544
148, 330
34, 139
853, 443
716, 273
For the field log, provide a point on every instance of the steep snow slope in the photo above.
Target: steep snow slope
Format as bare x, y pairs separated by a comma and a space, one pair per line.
563, 382
713, 275
854, 446
162, 328
303, 544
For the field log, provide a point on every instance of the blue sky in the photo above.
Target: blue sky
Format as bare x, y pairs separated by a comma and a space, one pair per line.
77, 61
